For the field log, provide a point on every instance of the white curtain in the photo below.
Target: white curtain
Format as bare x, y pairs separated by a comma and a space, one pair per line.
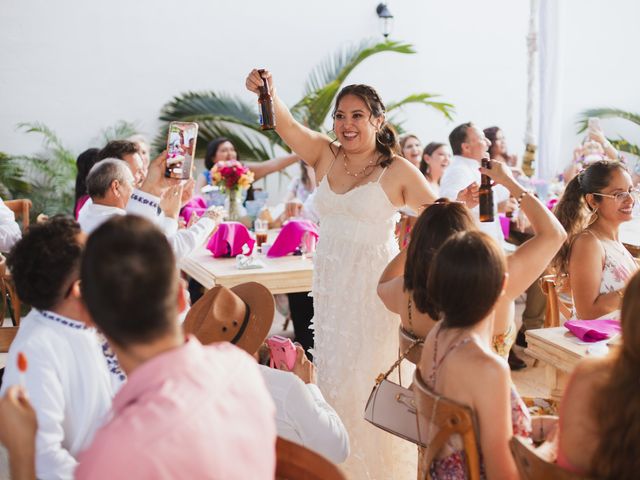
549, 160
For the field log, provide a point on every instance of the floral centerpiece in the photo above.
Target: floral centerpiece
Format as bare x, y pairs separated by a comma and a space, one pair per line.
232, 177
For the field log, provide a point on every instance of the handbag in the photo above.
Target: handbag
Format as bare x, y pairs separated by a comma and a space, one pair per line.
392, 407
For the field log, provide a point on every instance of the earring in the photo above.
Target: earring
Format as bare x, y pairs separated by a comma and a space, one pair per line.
593, 218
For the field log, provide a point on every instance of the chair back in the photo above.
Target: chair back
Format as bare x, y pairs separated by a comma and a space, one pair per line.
444, 418
532, 467
555, 306
295, 462
9, 296
7, 334
404, 227
20, 208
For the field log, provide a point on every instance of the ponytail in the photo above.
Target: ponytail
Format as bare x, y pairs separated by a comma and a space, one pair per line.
387, 144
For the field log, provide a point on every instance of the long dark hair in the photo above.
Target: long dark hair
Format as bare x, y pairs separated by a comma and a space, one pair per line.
617, 403
386, 138
573, 211
492, 133
433, 227
428, 150
212, 149
85, 161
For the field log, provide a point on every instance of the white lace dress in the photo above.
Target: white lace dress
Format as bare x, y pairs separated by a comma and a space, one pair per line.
356, 337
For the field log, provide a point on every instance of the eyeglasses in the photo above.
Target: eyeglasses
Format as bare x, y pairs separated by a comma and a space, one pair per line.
621, 197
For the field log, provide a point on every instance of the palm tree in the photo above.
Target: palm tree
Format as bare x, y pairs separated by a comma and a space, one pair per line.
228, 116
619, 144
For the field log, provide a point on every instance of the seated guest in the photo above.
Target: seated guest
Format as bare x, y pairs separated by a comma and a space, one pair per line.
85, 161
110, 185
68, 379
9, 230
221, 149
187, 410
458, 361
599, 413
411, 148
302, 414
470, 146
435, 160
593, 206
403, 284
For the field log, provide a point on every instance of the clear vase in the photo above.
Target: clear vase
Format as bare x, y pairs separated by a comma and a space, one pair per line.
235, 205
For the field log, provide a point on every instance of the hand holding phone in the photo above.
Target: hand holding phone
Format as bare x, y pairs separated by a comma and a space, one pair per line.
283, 352
181, 146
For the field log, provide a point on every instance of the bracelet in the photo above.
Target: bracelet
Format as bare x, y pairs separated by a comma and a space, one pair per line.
521, 196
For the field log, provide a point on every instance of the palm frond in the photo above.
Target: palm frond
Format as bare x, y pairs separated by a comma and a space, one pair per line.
49, 141
326, 79
119, 131
605, 113
447, 109
12, 181
623, 145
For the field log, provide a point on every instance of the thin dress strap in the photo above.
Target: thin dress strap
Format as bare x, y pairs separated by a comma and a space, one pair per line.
383, 172
431, 379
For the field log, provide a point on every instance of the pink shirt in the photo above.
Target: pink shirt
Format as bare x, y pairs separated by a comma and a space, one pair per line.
192, 412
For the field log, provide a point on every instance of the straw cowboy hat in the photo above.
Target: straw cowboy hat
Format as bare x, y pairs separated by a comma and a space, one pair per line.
241, 315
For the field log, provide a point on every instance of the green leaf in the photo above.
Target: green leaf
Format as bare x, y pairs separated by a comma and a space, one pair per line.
605, 113
447, 109
623, 145
119, 131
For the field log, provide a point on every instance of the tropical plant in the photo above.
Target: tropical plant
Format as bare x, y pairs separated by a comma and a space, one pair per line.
620, 144
12, 181
118, 131
228, 116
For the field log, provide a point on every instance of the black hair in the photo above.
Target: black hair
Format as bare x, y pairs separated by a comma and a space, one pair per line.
45, 261
118, 149
428, 150
212, 149
85, 161
130, 281
458, 136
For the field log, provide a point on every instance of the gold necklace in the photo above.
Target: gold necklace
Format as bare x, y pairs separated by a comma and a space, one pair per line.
363, 171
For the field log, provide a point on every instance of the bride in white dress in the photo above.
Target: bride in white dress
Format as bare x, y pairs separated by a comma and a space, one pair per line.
362, 184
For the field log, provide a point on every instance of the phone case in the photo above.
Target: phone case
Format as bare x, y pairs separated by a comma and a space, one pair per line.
282, 351
181, 148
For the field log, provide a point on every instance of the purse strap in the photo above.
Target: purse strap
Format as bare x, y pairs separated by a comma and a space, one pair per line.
396, 364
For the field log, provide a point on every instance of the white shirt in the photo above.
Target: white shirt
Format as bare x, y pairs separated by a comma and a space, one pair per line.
459, 175
9, 230
69, 385
182, 242
304, 417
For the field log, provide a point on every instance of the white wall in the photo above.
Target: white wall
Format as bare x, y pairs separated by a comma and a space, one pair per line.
81, 65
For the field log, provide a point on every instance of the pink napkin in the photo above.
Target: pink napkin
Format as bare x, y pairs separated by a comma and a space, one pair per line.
196, 205
593, 330
505, 224
290, 237
229, 239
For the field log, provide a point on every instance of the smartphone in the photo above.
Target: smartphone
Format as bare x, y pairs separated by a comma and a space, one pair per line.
593, 123
282, 351
181, 147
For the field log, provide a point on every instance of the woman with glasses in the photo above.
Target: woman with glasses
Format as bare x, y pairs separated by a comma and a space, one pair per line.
593, 206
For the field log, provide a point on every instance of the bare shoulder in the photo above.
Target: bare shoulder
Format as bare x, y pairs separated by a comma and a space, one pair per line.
589, 373
586, 242
329, 154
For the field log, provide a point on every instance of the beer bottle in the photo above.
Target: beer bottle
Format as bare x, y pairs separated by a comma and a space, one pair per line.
265, 106
486, 195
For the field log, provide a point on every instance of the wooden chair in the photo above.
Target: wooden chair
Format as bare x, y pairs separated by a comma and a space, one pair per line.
295, 462
404, 227
532, 467
7, 334
555, 306
20, 209
447, 418
10, 300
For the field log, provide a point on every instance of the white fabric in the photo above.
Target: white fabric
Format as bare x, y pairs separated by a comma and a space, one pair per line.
356, 337
9, 230
92, 215
182, 242
463, 171
69, 386
304, 417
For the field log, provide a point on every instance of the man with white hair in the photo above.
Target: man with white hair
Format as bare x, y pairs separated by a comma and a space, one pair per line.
110, 184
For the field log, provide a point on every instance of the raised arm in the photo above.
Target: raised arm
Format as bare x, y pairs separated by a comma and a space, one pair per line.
262, 169
309, 144
532, 258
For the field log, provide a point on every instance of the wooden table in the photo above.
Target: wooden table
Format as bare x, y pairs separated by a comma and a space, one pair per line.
281, 275
561, 351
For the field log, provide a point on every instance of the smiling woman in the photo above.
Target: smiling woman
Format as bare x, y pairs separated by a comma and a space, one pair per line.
362, 184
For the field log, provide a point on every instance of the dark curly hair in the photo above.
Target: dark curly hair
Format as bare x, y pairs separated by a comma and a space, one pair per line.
45, 261
386, 138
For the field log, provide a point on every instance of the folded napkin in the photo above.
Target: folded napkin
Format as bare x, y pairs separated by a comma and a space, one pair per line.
290, 237
196, 205
505, 225
593, 330
229, 239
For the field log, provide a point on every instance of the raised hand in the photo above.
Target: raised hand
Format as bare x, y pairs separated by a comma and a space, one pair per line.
255, 81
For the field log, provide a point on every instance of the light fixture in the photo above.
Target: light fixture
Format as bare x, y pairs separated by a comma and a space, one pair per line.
386, 19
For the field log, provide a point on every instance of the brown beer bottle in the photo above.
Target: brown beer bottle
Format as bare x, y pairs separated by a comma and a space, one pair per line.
265, 106
486, 195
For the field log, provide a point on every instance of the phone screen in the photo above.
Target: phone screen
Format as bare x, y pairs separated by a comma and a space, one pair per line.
181, 147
